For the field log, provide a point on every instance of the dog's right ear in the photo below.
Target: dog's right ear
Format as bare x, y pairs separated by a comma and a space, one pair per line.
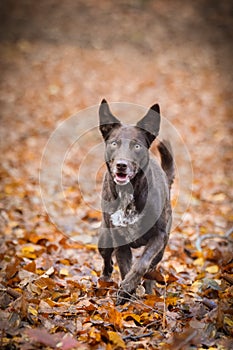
150, 124
107, 120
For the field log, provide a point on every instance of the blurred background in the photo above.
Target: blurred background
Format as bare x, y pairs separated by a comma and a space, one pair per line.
58, 57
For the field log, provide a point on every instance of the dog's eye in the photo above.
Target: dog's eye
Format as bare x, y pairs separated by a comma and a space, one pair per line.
137, 146
113, 143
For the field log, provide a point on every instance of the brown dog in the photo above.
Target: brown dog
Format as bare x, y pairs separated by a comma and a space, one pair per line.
135, 198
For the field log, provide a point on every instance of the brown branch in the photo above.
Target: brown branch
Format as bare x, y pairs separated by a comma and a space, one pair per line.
137, 337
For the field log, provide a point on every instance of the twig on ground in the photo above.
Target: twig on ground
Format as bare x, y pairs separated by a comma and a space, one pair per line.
137, 337
225, 237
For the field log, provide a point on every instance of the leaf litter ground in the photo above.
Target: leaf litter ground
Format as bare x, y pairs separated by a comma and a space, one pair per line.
57, 59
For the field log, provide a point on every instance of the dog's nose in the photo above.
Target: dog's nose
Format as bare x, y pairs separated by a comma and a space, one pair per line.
121, 165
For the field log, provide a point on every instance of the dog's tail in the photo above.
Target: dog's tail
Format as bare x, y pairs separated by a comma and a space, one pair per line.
167, 160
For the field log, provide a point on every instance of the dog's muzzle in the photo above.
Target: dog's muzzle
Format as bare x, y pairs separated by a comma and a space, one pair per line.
123, 172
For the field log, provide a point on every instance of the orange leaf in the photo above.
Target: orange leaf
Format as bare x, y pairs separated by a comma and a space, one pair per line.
45, 282
115, 317
31, 267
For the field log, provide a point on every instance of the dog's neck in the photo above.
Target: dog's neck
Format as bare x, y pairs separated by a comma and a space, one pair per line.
125, 195
135, 192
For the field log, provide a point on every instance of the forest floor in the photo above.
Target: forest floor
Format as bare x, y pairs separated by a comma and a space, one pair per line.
59, 59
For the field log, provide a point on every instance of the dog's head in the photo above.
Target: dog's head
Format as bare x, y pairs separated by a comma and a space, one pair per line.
127, 146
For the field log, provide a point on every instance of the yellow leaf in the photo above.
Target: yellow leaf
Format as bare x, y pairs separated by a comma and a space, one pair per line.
97, 318
130, 316
195, 287
116, 339
9, 189
32, 311
199, 262
228, 321
94, 334
28, 252
218, 197
212, 269
64, 272
28, 248
203, 229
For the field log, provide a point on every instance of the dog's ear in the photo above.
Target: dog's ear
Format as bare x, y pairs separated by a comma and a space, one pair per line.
151, 123
107, 120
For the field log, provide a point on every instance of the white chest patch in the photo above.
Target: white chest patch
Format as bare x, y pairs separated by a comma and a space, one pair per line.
122, 219
126, 213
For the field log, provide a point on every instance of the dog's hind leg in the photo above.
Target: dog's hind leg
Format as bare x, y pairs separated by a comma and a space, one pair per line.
124, 259
156, 260
149, 284
141, 266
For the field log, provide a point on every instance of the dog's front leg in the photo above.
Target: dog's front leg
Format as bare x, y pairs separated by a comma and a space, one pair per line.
153, 248
106, 254
106, 250
124, 259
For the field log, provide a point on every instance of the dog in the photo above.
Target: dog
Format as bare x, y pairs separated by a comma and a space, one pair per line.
135, 198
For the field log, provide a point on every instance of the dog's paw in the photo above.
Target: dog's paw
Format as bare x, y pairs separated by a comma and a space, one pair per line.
123, 297
104, 278
124, 294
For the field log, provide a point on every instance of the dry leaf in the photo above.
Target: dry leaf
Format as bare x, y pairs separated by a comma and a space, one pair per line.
212, 269
116, 340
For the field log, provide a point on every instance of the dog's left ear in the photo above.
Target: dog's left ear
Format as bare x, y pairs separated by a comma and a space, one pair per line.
151, 123
107, 120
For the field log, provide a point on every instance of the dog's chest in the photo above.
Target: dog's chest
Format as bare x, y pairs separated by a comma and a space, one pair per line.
126, 213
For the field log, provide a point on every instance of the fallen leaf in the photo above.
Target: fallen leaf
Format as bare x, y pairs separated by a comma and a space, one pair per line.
212, 269
131, 316
30, 266
199, 262
32, 310
28, 252
115, 317
116, 340
64, 272
197, 324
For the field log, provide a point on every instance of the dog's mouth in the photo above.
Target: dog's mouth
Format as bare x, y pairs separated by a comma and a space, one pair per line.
122, 178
